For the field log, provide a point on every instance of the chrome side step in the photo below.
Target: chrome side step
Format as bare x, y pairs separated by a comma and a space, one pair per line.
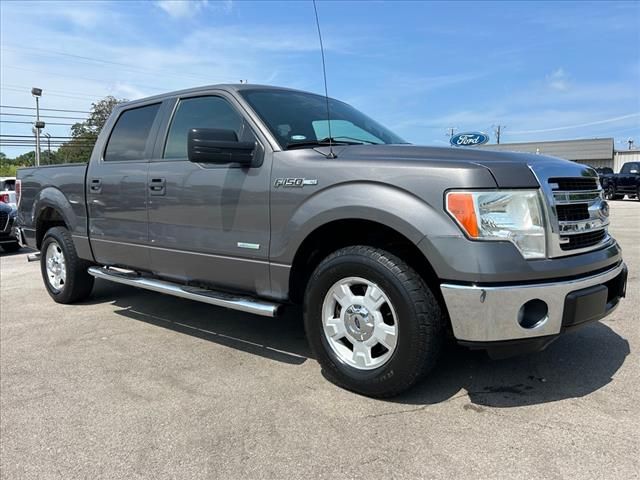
33, 257
219, 299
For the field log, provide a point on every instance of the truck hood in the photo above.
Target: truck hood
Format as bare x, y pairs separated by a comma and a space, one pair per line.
509, 169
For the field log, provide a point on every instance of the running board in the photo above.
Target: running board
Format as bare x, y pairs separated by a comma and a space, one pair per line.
219, 299
33, 257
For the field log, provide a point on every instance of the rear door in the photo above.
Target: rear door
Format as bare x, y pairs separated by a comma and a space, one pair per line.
117, 190
209, 222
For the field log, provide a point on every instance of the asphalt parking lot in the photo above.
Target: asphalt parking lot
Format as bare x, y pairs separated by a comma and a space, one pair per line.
134, 384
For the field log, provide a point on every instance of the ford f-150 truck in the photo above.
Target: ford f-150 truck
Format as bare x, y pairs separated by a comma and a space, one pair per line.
627, 182
248, 197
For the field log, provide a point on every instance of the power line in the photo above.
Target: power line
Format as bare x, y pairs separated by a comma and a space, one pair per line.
81, 97
45, 109
41, 116
129, 66
31, 123
76, 77
31, 136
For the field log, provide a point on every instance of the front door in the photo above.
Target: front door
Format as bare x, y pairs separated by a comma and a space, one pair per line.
626, 179
117, 191
209, 222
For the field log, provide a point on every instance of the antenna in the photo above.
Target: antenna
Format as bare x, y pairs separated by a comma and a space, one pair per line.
324, 74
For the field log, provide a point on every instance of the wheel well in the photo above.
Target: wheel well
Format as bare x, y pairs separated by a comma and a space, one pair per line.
343, 233
49, 217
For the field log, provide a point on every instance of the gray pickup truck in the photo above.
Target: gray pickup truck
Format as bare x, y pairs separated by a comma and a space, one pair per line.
247, 197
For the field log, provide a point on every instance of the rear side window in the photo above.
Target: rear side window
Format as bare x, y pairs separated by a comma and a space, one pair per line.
200, 112
130, 134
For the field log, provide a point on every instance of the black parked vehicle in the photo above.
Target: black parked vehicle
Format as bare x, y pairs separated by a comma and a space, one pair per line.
8, 237
627, 182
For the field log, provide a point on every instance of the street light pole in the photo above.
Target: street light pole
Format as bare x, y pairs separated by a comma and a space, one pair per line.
37, 92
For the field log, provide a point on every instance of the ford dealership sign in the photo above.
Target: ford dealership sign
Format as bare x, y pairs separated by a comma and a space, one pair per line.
469, 139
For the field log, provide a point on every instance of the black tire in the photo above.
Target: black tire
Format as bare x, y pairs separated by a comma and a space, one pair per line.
419, 317
78, 283
610, 194
11, 247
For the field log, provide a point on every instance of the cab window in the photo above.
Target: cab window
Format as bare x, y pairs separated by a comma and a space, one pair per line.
199, 112
129, 136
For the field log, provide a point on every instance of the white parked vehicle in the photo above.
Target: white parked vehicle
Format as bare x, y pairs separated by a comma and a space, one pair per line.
8, 191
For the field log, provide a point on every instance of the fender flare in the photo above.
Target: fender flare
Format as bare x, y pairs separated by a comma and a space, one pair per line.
51, 197
382, 203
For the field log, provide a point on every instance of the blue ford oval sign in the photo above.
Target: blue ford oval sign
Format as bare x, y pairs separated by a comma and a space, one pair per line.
469, 139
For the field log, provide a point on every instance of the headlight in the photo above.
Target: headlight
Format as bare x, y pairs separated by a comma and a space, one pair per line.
511, 215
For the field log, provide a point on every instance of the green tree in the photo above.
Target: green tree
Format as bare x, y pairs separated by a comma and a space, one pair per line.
26, 159
84, 134
8, 166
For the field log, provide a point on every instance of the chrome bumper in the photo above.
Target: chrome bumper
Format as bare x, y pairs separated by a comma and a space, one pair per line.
490, 314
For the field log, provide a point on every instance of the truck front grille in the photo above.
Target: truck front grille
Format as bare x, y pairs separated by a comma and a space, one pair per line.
577, 205
573, 184
583, 240
573, 212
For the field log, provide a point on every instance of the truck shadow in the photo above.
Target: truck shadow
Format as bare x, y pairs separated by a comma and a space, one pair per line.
282, 339
575, 365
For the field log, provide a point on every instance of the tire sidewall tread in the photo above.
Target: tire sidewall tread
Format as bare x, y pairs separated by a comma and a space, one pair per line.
420, 320
78, 282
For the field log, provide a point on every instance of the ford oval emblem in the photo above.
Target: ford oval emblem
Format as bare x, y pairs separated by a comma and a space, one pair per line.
469, 139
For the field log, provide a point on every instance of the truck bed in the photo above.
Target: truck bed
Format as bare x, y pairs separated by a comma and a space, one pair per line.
53, 185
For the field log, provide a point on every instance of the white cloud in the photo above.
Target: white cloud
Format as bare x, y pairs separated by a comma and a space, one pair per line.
558, 80
189, 8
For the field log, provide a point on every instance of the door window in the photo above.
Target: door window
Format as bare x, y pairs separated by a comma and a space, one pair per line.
200, 112
129, 136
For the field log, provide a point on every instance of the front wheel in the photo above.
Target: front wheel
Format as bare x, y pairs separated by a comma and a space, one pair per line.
373, 324
64, 273
610, 194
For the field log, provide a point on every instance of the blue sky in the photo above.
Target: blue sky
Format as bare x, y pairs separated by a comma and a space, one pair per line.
545, 70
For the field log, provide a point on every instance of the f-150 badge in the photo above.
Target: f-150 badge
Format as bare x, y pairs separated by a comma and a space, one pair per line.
294, 182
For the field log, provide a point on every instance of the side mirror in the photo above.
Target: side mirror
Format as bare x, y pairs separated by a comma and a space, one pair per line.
214, 145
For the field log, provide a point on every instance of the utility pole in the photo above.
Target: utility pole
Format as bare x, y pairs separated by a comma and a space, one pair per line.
48, 135
630, 142
498, 130
451, 131
37, 92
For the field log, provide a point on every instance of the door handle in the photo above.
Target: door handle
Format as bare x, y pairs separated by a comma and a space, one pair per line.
157, 186
96, 185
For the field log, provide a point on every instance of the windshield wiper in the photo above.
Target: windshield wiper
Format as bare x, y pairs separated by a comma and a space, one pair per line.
329, 141
359, 140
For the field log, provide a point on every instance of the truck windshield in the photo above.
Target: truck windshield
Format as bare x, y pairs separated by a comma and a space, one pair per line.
299, 119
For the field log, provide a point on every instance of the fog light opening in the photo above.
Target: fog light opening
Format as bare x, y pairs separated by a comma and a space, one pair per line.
533, 313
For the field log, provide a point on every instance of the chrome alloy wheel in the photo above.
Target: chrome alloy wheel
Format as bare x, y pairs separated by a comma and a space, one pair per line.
359, 323
56, 266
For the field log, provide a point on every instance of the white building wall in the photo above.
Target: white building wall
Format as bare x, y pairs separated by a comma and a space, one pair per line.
623, 156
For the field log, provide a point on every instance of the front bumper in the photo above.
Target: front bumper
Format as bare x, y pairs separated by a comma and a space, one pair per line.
10, 232
485, 314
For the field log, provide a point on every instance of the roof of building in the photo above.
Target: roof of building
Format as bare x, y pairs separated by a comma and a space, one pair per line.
589, 149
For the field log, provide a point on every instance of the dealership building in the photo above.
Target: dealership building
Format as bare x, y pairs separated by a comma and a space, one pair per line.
595, 152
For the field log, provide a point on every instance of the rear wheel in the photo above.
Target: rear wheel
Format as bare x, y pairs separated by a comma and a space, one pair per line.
373, 324
64, 273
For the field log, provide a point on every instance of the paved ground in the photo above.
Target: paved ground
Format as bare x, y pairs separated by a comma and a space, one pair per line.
138, 385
